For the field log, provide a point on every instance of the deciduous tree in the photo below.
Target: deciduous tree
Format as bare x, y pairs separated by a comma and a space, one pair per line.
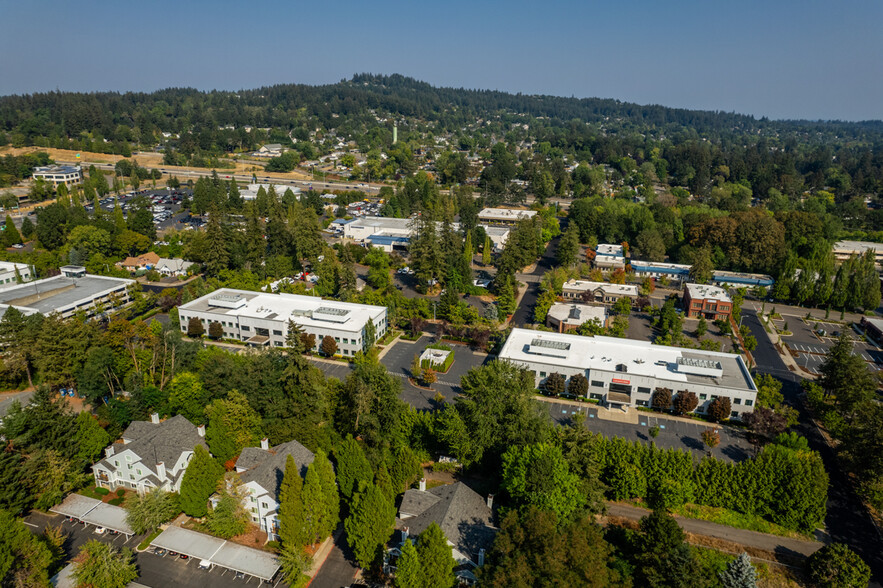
101, 565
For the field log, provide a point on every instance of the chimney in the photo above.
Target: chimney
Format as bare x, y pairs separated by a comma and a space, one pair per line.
154, 418
405, 533
201, 430
109, 451
490, 501
161, 471
423, 484
481, 557
265, 444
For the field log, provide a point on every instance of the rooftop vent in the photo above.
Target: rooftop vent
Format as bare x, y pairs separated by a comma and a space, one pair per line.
700, 367
549, 348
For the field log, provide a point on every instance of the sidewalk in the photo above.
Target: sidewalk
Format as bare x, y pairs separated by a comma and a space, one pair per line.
787, 358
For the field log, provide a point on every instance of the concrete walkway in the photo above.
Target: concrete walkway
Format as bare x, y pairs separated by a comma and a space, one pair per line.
780, 546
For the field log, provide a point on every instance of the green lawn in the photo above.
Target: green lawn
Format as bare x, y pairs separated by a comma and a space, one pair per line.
735, 519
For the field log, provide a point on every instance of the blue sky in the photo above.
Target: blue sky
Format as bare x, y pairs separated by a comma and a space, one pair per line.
779, 58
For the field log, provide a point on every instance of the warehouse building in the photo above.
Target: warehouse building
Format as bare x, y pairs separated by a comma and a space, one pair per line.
625, 373
261, 320
676, 273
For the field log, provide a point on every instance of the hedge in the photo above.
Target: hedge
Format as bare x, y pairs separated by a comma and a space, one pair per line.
448, 360
782, 485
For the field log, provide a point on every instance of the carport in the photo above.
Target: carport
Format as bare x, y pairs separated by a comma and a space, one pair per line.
238, 558
94, 512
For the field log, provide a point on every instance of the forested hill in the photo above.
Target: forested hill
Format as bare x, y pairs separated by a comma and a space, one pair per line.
115, 116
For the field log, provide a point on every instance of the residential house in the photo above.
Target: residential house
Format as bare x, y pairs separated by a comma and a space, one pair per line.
172, 267
261, 470
269, 150
148, 260
465, 517
153, 454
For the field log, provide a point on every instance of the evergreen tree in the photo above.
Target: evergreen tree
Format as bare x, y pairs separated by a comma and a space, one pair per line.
702, 269
353, 468
370, 524
435, 557
27, 228
568, 246
314, 506
409, 570
330, 496
845, 376
10, 233
739, 573
837, 566
487, 251
199, 482
103, 566
505, 295
229, 518
293, 528
216, 252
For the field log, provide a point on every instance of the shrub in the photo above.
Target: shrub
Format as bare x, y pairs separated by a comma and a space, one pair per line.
102, 491
116, 501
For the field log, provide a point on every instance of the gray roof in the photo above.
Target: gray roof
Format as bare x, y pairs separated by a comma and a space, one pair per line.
53, 294
462, 514
253, 562
267, 468
159, 443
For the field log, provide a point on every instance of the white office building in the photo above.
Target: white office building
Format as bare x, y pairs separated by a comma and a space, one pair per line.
624, 372
74, 291
8, 273
597, 291
68, 175
260, 319
250, 192
504, 216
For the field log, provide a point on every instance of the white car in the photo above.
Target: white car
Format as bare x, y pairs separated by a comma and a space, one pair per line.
100, 531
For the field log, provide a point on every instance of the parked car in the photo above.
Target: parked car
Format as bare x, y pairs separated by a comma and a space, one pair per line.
159, 551
100, 530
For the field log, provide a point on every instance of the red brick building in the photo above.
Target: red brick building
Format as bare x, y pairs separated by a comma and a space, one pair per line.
712, 302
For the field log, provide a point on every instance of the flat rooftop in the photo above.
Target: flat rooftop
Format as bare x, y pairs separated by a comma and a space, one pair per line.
639, 357
657, 265
608, 249
857, 247
59, 293
308, 311
508, 214
705, 291
247, 560
583, 285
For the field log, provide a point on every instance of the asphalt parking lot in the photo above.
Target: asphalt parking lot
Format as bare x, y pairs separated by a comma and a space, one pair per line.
673, 434
153, 570
398, 362
810, 348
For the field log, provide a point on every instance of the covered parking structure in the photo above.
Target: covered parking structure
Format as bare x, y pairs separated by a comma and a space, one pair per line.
90, 511
218, 552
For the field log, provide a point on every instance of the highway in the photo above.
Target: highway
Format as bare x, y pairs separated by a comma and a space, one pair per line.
245, 177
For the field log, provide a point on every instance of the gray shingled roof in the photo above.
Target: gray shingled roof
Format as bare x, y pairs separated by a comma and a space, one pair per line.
159, 443
268, 471
461, 513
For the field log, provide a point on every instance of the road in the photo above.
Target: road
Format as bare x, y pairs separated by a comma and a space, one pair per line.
7, 399
847, 520
771, 543
524, 313
246, 177
339, 568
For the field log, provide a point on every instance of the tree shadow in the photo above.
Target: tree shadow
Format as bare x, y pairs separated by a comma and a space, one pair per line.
692, 443
735, 452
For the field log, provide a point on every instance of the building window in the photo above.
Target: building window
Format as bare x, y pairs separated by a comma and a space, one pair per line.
703, 396
595, 396
131, 477
277, 333
253, 499
245, 328
254, 510
737, 401
642, 403
597, 384
542, 374
116, 463
749, 402
138, 472
642, 390
263, 505
734, 414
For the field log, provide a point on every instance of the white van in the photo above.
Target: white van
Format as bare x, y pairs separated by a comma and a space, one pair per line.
205, 565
